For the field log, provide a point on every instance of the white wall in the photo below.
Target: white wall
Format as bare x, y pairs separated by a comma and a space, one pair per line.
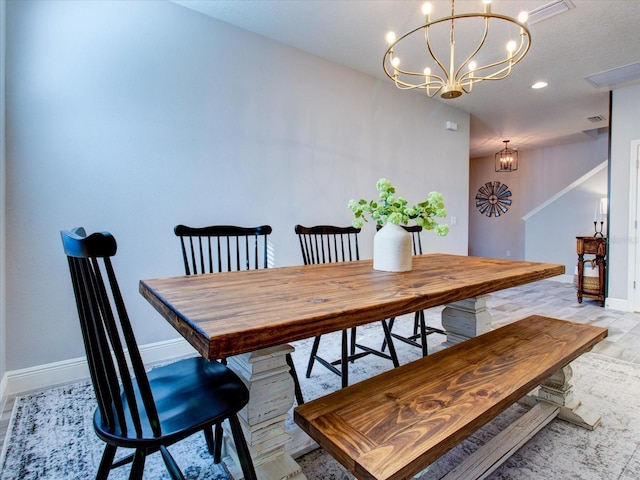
625, 129
135, 116
3, 347
541, 174
551, 231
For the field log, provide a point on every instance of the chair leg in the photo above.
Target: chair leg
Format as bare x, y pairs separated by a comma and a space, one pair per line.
138, 464
384, 342
244, 456
353, 343
214, 439
423, 333
217, 440
208, 436
312, 356
107, 460
296, 383
344, 360
392, 348
170, 463
416, 321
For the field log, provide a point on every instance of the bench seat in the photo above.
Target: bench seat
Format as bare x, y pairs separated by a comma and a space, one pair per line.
395, 424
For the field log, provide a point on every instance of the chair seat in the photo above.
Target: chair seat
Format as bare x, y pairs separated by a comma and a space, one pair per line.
190, 394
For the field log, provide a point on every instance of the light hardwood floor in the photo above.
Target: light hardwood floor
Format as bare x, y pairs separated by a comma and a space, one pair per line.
547, 298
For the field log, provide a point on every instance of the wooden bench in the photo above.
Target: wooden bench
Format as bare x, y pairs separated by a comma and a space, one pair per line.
395, 424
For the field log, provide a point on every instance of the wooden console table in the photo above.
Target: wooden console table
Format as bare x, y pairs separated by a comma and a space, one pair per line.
596, 246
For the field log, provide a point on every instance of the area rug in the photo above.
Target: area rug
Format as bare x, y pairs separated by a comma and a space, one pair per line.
51, 433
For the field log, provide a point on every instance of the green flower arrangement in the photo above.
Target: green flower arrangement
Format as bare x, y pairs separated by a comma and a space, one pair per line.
394, 209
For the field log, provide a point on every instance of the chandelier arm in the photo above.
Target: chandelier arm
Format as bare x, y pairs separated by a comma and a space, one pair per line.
437, 78
403, 85
504, 73
433, 55
464, 88
497, 75
400, 85
511, 60
517, 54
484, 38
434, 93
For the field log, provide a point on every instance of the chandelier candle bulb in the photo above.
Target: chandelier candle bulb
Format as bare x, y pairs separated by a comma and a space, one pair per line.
523, 17
426, 11
391, 37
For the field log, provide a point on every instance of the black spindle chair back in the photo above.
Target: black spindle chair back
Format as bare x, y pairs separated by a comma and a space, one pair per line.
329, 244
146, 411
223, 248
104, 331
226, 248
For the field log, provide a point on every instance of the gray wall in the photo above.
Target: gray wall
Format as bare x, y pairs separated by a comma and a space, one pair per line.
550, 233
3, 303
133, 117
625, 129
541, 174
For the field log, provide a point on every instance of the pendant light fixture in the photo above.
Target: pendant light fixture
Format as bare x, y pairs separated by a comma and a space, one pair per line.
506, 159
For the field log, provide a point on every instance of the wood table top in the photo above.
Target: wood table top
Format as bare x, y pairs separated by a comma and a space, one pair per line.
224, 314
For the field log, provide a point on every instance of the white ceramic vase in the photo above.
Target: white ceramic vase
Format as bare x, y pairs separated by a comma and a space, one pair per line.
392, 249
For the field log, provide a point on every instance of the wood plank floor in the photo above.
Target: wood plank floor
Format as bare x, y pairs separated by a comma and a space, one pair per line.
550, 298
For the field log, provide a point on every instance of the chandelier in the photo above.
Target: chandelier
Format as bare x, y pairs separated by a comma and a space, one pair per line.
455, 78
506, 159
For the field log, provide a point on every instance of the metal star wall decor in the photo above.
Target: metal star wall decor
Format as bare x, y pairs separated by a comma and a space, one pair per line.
493, 199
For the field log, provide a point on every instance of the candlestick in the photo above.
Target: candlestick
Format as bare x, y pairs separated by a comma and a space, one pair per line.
598, 232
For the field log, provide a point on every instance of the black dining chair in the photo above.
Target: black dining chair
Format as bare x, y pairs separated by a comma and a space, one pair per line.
327, 244
145, 411
226, 248
420, 329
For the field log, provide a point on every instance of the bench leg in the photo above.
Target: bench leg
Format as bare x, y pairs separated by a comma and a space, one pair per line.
558, 390
481, 463
466, 319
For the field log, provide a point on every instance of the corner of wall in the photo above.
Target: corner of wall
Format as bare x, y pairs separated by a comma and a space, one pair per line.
3, 336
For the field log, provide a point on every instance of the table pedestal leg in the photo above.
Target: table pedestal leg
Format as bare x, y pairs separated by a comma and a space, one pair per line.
466, 319
266, 374
558, 390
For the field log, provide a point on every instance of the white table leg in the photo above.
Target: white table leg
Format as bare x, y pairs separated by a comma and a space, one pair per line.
466, 319
271, 396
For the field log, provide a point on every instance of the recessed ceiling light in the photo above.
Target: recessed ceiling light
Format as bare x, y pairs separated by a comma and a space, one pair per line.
539, 85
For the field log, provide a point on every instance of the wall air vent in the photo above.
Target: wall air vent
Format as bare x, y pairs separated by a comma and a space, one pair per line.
597, 118
549, 10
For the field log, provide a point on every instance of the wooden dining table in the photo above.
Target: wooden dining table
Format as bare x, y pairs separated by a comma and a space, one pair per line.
250, 317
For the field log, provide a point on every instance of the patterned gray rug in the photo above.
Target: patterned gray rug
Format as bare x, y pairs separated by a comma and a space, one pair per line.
51, 433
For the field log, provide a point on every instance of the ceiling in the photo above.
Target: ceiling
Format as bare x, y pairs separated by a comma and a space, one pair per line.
590, 38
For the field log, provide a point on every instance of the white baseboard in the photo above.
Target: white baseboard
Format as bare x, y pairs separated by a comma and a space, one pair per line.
74, 370
563, 278
620, 304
